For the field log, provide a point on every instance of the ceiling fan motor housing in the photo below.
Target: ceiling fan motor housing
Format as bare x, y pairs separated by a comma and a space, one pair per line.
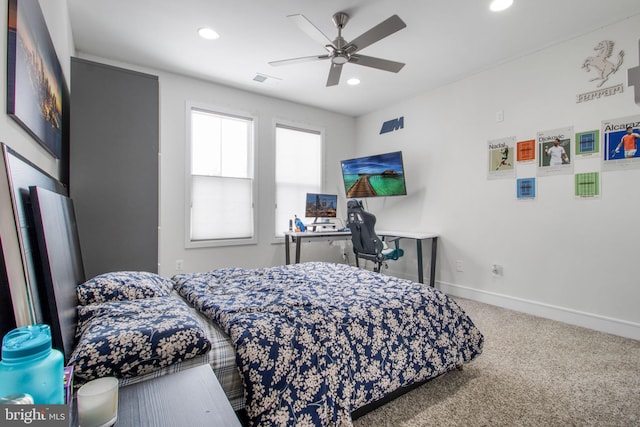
340, 19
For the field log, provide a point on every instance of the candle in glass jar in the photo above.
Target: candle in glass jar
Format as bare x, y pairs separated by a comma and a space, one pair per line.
98, 403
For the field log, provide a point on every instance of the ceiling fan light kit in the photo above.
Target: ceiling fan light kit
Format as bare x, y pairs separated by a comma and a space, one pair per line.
341, 52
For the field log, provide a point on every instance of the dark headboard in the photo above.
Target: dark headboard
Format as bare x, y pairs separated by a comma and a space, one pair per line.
59, 246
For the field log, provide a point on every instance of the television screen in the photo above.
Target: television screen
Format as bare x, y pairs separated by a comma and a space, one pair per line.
321, 205
371, 176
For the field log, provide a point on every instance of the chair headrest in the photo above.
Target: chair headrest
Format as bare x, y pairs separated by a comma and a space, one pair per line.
353, 203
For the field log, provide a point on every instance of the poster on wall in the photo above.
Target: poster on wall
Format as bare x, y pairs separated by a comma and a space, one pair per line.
587, 185
526, 151
36, 88
555, 151
620, 139
526, 188
587, 144
501, 158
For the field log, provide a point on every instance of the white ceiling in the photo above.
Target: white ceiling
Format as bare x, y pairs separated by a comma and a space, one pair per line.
444, 41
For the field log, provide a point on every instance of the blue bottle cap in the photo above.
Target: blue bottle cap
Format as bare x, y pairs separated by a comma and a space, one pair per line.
26, 341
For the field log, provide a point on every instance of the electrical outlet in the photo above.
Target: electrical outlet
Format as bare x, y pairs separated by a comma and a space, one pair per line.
496, 269
459, 265
179, 265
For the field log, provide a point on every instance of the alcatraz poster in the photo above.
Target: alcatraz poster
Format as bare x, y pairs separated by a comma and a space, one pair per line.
620, 139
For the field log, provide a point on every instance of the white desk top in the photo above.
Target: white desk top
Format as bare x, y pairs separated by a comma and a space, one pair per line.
419, 235
317, 233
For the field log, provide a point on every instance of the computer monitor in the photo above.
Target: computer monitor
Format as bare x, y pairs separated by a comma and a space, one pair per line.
321, 205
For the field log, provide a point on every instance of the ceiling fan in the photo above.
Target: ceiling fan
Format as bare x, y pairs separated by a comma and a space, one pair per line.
341, 52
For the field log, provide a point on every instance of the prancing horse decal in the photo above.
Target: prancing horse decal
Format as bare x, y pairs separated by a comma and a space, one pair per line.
601, 63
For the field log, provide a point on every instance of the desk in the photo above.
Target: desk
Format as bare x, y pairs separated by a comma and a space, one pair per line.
418, 236
310, 236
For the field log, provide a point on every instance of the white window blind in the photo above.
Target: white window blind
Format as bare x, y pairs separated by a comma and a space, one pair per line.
299, 163
221, 176
221, 208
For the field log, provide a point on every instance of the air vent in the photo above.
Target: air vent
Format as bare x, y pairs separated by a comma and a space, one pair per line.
266, 79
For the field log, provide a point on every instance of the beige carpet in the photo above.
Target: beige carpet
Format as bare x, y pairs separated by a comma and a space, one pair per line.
532, 372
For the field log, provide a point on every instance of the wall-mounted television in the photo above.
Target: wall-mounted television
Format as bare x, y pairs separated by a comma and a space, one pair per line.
321, 205
373, 176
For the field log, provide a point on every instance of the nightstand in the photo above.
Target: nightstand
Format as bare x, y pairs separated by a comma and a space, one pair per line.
187, 398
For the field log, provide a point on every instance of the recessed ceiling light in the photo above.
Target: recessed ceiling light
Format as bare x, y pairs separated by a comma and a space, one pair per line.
500, 5
353, 81
208, 33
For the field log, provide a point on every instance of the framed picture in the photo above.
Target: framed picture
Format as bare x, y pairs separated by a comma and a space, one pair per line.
588, 143
526, 150
620, 140
501, 154
587, 185
36, 88
526, 188
555, 151
18, 235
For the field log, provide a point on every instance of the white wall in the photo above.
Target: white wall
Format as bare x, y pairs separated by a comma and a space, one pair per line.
562, 257
175, 91
57, 19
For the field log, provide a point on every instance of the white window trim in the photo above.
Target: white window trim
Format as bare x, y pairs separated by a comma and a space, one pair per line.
323, 167
188, 243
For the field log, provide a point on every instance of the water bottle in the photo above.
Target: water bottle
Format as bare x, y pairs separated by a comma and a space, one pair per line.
29, 365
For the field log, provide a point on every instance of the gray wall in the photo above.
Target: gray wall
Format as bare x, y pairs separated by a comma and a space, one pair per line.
114, 166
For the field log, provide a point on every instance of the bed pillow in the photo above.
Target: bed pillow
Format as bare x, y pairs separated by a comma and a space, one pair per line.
131, 338
123, 285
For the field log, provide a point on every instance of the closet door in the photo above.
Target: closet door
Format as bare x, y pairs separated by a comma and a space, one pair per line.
113, 178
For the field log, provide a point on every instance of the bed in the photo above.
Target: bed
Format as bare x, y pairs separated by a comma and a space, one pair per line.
304, 344
317, 341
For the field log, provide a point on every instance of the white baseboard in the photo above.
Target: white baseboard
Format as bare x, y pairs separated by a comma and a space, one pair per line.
587, 320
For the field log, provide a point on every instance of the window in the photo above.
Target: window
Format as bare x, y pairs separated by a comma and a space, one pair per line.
298, 172
220, 178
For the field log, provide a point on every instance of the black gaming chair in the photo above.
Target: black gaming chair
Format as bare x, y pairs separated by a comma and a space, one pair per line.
366, 243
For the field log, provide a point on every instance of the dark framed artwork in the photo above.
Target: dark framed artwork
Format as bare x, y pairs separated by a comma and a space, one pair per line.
22, 265
36, 87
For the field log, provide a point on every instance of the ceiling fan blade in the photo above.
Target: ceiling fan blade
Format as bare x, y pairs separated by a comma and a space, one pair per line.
380, 31
297, 60
311, 30
379, 63
334, 74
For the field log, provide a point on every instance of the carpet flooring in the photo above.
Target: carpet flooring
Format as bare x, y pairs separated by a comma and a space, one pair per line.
532, 372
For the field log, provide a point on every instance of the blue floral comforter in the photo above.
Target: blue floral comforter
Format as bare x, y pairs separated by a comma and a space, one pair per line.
316, 341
